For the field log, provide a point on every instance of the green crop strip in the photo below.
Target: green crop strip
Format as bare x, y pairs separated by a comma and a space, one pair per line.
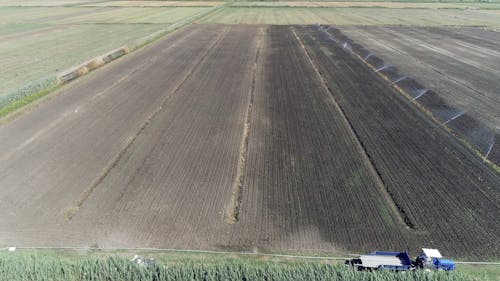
21, 266
26, 95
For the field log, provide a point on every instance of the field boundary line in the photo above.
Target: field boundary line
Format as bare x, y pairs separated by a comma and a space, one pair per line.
402, 218
71, 211
233, 211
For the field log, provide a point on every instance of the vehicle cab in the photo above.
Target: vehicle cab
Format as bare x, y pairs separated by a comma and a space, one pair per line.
432, 259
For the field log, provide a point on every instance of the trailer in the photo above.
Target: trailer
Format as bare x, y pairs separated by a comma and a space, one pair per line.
401, 261
398, 261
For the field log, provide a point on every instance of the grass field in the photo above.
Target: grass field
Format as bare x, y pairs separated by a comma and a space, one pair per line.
69, 36
356, 16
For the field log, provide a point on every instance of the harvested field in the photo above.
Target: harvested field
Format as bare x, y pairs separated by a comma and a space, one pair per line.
460, 67
253, 137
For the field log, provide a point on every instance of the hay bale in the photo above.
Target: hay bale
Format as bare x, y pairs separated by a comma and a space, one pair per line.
94, 63
113, 55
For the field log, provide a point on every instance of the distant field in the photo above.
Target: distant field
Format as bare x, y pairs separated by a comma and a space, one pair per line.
356, 16
44, 2
36, 42
64, 47
157, 4
86, 15
347, 4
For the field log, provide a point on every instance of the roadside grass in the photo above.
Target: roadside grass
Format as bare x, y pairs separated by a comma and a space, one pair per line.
65, 265
26, 95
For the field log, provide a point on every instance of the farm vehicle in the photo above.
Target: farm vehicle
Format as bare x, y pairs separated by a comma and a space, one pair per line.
429, 259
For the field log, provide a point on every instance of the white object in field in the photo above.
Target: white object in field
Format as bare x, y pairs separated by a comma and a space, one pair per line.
12, 249
142, 261
375, 261
432, 253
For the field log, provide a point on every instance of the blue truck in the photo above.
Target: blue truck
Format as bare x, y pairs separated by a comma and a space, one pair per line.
401, 261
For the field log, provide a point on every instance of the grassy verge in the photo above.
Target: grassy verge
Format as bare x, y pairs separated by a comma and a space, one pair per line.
15, 100
50, 265
24, 101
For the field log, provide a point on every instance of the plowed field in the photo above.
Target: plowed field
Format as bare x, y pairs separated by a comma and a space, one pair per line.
244, 137
462, 65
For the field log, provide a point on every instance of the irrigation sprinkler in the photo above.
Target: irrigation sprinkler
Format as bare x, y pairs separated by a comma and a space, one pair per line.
398, 80
454, 117
422, 92
382, 68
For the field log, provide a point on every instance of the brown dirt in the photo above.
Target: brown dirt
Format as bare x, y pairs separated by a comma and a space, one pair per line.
461, 64
145, 151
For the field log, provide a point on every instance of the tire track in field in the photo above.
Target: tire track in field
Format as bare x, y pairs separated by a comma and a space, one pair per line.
70, 212
396, 209
233, 209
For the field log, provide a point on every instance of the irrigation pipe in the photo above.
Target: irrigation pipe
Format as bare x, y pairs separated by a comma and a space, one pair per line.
216, 252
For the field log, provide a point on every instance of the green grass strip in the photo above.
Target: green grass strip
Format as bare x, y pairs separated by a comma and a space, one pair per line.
15, 100
22, 266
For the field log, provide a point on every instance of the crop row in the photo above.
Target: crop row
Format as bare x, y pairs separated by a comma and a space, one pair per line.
40, 267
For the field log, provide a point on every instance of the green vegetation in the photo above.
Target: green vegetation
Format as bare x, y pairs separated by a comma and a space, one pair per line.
480, 272
31, 58
37, 42
25, 95
50, 266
